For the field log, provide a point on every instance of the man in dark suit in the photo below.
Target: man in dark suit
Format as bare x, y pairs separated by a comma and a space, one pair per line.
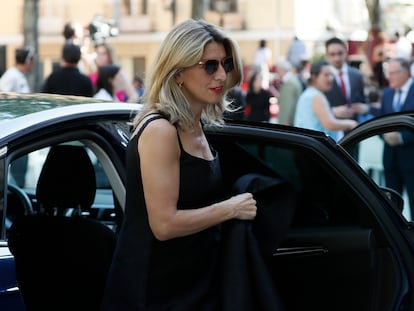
346, 96
399, 146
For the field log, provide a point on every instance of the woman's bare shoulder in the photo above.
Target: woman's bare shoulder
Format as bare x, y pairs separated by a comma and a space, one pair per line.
155, 126
159, 142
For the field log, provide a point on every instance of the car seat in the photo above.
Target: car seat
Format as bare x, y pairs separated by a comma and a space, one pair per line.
67, 182
62, 262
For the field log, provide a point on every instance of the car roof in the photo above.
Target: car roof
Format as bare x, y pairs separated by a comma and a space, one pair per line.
14, 105
21, 114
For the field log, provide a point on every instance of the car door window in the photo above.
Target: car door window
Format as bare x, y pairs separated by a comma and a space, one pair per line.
385, 153
323, 198
370, 158
23, 179
388, 165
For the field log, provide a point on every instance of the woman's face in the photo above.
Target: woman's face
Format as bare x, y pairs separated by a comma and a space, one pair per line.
102, 56
199, 87
257, 83
323, 81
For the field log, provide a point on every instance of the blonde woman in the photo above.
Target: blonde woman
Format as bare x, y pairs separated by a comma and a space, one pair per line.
167, 251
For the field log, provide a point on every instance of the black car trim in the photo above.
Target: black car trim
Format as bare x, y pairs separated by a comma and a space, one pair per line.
375, 127
9, 291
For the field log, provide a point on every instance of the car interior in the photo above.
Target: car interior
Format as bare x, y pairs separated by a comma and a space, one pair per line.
78, 173
333, 255
63, 219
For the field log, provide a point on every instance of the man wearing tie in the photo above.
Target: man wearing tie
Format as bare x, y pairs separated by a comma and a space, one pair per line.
346, 96
399, 146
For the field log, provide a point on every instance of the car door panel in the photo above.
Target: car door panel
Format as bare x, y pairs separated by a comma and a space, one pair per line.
10, 298
331, 269
333, 255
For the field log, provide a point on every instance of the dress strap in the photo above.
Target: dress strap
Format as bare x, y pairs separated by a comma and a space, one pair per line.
148, 121
179, 140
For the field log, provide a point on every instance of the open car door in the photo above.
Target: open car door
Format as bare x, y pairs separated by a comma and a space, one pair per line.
344, 248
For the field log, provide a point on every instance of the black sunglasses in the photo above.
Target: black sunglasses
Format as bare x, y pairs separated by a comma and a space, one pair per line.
211, 65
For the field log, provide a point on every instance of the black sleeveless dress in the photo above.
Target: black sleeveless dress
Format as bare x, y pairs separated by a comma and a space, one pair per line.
178, 274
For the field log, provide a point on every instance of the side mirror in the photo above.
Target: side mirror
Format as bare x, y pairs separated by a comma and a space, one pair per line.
394, 197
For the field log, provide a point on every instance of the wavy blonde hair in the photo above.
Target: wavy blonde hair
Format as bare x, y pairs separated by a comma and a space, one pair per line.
183, 47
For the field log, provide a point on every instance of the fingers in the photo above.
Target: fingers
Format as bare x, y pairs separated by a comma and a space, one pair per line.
246, 207
393, 138
343, 112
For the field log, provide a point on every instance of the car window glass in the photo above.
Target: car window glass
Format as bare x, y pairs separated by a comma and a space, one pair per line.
323, 198
23, 177
25, 170
388, 166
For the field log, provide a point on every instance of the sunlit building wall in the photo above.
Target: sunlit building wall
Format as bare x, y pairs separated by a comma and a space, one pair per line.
144, 23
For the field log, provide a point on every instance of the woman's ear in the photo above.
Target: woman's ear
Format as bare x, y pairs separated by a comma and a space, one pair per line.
179, 77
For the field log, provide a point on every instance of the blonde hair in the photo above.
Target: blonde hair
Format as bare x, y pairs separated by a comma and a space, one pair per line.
183, 47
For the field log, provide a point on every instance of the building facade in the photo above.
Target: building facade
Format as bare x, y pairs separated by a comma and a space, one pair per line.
142, 25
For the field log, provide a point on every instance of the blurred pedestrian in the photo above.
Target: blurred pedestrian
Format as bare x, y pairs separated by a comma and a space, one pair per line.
403, 47
257, 99
67, 79
289, 92
369, 45
346, 96
296, 52
380, 54
399, 146
106, 81
138, 84
105, 55
263, 61
14, 79
313, 110
111, 79
74, 32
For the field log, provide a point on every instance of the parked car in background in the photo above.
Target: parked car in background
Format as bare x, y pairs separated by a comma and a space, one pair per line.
348, 246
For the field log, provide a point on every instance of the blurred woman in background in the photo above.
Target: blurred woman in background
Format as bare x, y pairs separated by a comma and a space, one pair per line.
313, 110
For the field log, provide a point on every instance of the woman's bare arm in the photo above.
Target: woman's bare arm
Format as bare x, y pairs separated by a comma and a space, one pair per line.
323, 111
160, 166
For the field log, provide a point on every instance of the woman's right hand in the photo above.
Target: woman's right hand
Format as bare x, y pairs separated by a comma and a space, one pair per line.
243, 206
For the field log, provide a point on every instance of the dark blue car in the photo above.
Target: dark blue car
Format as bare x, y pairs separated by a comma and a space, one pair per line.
349, 244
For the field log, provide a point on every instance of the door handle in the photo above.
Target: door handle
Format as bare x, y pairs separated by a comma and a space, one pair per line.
300, 251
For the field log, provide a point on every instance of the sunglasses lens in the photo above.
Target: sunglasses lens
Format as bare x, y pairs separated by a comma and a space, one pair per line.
228, 64
211, 66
